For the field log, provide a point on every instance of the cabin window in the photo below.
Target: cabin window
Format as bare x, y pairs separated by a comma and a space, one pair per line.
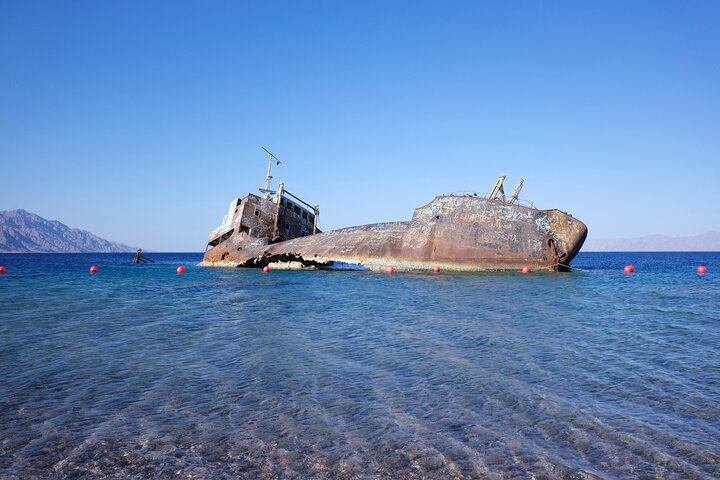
244, 229
221, 238
257, 212
311, 217
305, 215
296, 209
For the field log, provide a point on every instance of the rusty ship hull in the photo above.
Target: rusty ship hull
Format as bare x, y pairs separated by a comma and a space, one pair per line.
453, 232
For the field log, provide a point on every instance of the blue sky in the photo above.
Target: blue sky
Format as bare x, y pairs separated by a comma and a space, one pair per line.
140, 121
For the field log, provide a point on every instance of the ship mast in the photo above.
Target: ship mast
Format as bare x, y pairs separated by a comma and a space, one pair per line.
269, 177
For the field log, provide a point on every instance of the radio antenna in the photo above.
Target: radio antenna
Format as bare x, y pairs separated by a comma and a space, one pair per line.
271, 158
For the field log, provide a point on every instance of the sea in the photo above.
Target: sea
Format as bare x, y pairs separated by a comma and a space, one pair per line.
139, 372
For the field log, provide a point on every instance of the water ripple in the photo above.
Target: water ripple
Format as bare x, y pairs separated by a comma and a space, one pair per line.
141, 373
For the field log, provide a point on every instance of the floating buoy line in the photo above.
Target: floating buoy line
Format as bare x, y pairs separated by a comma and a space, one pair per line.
701, 269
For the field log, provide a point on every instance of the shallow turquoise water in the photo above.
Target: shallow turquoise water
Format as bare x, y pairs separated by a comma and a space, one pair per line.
138, 372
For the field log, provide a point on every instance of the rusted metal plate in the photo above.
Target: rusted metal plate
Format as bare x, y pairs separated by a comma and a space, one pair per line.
459, 233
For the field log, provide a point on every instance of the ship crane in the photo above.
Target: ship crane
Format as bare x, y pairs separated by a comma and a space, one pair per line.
498, 192
516, 192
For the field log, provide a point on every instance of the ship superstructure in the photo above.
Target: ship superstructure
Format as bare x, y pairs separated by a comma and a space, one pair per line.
276, 216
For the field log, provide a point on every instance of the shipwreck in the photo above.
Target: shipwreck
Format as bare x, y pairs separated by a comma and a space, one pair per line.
455, 232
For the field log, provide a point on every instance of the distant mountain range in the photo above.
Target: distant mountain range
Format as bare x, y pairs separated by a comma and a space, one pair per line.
22, 231
705, 242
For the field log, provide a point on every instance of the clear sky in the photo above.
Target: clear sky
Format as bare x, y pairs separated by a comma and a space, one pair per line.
140, 121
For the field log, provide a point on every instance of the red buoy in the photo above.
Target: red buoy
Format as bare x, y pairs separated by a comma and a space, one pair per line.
93, 269
526, 269
701, 269
391, 270
2, 269
180, 269
266, 268
436, 269
629, 269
